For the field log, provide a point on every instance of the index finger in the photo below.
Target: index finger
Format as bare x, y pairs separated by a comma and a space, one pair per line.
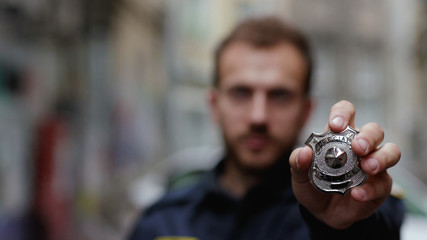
341, 115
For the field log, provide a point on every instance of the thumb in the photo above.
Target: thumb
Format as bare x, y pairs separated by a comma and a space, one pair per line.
300, 161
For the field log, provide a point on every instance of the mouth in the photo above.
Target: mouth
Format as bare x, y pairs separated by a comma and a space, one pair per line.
256, 142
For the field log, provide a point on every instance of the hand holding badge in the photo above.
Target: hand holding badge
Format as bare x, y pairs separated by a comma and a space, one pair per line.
340, 161
335, 167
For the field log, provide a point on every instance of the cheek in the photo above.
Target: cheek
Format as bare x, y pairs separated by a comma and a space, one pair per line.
231, 120
288, 122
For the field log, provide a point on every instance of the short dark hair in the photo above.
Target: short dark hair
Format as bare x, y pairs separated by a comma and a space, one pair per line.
262, 33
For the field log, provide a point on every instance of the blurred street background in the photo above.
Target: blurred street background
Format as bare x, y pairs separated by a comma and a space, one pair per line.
102, 102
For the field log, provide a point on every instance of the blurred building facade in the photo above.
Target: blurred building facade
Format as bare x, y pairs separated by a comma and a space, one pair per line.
97, 94
370, 53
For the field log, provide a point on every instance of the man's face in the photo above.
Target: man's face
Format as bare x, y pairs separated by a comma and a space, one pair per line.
259, 103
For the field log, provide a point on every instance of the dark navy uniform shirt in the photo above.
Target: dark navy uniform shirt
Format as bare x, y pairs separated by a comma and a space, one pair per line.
269, 211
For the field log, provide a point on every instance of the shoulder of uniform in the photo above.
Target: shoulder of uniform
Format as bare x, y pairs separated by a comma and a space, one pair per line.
175, 198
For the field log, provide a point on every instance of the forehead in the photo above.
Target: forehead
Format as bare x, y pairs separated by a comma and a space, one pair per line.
280, 64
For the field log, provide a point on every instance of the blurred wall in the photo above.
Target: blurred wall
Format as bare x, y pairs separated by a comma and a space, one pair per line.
370, 53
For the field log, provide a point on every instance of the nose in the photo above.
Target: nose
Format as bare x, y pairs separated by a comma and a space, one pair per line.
258, 111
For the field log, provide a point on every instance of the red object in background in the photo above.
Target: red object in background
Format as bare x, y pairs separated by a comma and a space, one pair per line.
52, 204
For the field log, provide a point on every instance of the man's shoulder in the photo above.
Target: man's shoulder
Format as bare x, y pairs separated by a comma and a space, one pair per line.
176, 199
162, 216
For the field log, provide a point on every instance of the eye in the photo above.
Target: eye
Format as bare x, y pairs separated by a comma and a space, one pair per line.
280, 96
240, 93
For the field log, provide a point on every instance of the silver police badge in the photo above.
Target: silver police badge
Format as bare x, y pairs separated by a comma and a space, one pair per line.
335, 167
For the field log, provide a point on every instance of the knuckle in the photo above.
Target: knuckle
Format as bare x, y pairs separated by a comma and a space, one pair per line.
388, 155
373, 132
343, 108
374, 128
395, 150
343, 104
348, 105
377, 127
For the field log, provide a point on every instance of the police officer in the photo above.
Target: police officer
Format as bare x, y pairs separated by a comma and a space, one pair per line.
260, 188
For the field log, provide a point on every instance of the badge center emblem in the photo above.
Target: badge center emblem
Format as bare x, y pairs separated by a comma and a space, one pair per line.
335, 157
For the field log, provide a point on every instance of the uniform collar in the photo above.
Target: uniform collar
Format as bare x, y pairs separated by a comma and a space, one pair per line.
275, 186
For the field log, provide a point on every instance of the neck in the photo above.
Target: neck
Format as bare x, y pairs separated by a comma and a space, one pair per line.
237, 180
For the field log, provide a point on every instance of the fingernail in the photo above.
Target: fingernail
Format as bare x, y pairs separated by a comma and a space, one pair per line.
361, 193
363, 144
373, 164
338, 121
297, 161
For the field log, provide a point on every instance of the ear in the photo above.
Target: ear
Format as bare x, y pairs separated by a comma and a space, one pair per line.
212, 100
